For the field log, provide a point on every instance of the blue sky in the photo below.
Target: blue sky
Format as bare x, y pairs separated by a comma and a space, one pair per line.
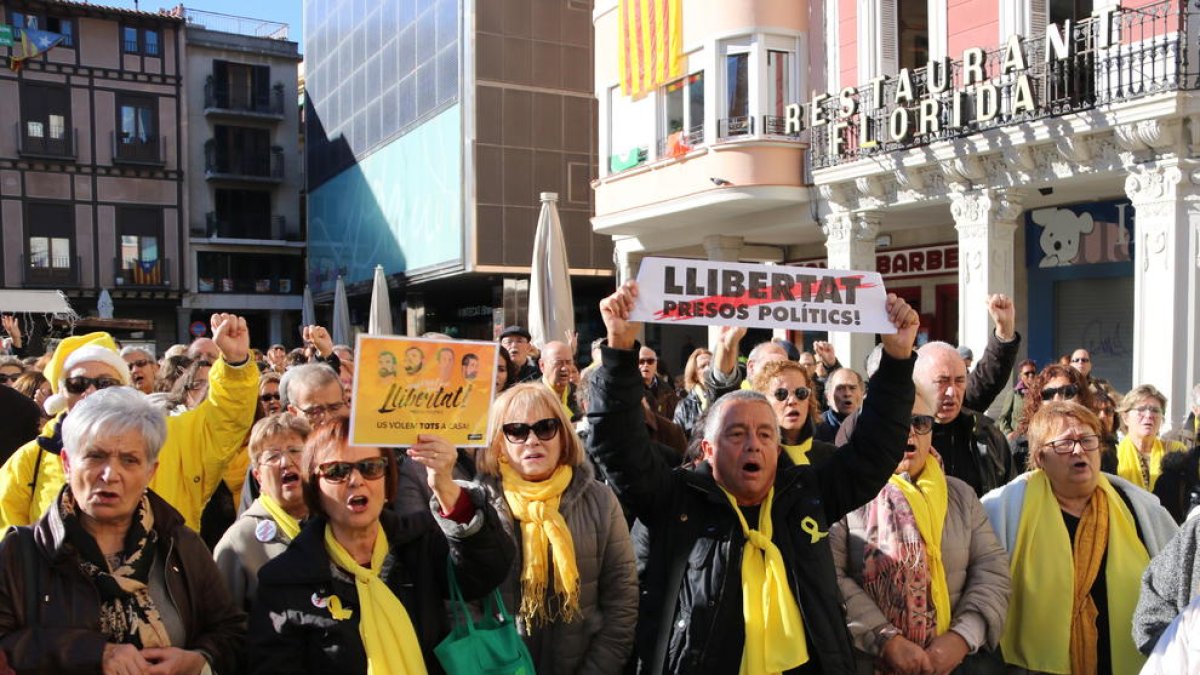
283, 11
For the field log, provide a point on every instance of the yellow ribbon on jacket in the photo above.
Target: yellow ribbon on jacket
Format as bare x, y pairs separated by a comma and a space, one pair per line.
388, 636
1037, 632
929, 500
285, 521
535, 505
798, 453
775, 640
1129, 464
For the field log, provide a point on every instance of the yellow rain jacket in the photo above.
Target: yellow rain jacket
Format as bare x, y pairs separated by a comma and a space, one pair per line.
200, 444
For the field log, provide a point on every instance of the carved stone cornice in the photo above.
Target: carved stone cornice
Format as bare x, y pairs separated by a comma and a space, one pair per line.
848, 228
1145, 185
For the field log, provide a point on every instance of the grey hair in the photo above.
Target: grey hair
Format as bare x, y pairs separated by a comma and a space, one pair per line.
137, 349
309, 376
113, 411
716, 412
12, 361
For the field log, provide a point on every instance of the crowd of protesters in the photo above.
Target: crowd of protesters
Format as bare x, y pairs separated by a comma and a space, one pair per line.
204, 511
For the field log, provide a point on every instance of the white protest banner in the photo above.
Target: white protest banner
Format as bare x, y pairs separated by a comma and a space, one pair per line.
707, 293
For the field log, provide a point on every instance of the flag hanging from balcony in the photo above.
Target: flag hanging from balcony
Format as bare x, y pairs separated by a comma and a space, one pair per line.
31, 43
650, 50
145, 273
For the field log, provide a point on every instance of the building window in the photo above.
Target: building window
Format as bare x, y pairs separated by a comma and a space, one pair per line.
237, 86
737, 84
52, 24
137, 132
140, 263
241, 214
630, 130
45, 111
144, 41
49, 251
1069, 10
779, 81
683, 115
243, 151
913, 19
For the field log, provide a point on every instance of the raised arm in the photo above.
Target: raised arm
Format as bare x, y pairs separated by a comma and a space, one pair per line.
990, 374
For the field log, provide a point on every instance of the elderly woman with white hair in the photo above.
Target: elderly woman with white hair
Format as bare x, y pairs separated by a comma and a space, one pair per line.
111, 579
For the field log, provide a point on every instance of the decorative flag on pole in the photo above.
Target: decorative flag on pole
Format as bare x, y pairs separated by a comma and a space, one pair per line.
650, 49
32, 43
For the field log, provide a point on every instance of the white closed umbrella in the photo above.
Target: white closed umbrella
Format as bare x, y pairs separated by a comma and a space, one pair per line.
341, 314
308, 312
551, 308
379, 322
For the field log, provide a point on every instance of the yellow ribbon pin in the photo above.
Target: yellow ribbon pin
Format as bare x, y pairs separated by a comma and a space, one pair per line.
337, 611
810, 527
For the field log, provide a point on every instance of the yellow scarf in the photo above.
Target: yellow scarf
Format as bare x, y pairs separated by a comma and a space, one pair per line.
929, 500
535, 505
1129, 463
1037, 632
387, 633
289, 525
775, 640
798, 453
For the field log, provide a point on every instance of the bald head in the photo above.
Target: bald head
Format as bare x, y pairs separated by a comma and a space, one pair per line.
941, 377
205, 349
555, 362
762, 354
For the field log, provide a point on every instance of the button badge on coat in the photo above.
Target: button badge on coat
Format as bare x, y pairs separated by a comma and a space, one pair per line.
265, 531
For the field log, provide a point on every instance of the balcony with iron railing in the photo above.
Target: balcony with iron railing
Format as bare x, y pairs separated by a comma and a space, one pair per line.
240, 226
248, 284
1143, 51
227, 101
259, 168
680, 142
150, 151
735, 127
53, 272
45, 146
131, 273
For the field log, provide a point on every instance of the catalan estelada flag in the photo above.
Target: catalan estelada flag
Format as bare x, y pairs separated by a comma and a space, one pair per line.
32, 43
650, 52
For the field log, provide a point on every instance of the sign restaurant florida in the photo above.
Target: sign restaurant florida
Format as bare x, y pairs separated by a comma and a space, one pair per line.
944, 97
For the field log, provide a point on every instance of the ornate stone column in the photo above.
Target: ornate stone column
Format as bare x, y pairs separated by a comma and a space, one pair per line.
1166, 200
850, 245
986, 220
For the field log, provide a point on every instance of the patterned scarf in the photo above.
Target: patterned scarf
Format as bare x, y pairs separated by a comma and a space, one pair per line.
127, 612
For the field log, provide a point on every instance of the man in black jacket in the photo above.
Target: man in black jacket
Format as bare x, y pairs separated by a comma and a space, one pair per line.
691, 615
21, 417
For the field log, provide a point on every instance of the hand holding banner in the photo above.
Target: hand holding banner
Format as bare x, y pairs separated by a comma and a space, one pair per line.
707, 293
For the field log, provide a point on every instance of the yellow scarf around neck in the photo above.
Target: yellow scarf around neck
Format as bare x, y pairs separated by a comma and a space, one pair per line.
1129, 464
1037, 632
289, 525
535, 506
929, 500
388, 636
798, 453
775, 640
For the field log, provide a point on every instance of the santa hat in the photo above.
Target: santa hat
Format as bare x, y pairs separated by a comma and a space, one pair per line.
77, 350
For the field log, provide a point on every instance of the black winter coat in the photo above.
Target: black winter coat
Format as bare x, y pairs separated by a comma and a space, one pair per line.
974, 451
690, 613
290, 634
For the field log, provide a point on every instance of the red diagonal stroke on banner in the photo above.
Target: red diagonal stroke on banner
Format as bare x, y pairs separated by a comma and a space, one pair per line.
745, 299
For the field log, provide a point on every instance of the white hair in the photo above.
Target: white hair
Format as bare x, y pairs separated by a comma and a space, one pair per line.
309, 376
716, 413
110, 412
136, 349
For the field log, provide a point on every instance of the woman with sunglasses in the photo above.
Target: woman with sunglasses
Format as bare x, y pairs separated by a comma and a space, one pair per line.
574, 586
361, 589
273, 520
1055, 383
924, 579
1078, 542
268, 394
786, 386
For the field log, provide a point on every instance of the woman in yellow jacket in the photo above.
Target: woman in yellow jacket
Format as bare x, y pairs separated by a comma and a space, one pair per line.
199, 445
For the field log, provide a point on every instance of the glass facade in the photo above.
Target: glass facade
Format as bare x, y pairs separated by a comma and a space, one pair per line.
375, 70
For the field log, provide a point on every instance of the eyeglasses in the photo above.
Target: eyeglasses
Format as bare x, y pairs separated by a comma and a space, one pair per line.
140, 363
197, 386
518, 432
781, 394
337, 472
322, 410
647, 362
281, 457
5, 379
80, 384
1151, 410
1029, 373
1068, 391
1065, 446
1081, 359
268, 397
921, 424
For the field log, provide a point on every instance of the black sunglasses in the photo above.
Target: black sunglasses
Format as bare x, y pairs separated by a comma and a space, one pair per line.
370, 469
518, 432
921, 424
1068, 391
80, 384
5, 379
268, 397
781, 394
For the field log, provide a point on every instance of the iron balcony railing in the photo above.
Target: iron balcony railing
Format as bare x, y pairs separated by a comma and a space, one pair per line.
1150, 50
66, 146
246, 285
735, 127
138, 151
229, 100
136, 273
681, 142
240, 226
219, 163
50, 272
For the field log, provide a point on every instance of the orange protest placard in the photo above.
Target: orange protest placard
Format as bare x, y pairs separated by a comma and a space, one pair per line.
408, 386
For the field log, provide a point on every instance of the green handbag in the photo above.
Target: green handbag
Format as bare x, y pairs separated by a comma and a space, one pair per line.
490, 646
